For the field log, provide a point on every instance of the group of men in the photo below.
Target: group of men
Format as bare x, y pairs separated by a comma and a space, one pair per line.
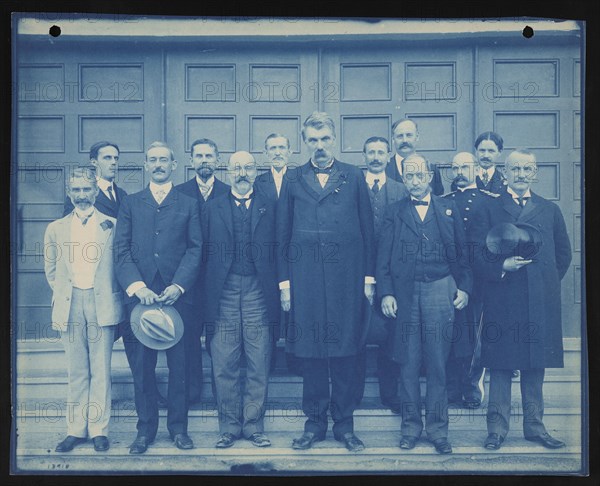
349, 258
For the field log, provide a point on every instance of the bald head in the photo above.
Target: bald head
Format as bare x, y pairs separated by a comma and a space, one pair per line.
242, 171
464, 169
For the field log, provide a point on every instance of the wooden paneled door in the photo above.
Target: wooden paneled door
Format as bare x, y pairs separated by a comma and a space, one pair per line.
237, 95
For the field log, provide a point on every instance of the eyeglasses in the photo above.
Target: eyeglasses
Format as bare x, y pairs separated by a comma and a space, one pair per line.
421, 176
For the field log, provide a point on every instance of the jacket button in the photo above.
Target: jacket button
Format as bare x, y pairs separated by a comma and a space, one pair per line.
156, 255
67, 299
158, 210
157, 232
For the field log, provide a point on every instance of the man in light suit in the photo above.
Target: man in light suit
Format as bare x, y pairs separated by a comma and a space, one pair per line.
104, 157
522, 326
405, 136
87, 305
326, 267
383, 191
204, 187
241, 301
423, 274
158, 249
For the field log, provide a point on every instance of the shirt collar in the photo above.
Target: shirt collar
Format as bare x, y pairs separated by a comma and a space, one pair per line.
239, 196
470, 186
154, 188
89, 213
370, 178
280, 174
104, 184
514, 195
490, 171
427, 198
209, 183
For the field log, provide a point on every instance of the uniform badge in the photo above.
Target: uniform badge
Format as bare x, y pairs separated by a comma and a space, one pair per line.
448, 212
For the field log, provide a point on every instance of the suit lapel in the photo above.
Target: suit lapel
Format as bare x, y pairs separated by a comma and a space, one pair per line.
405, 215
257, 209
311, 183
65, 236
337, 177
445, 219
531, 208
148, 198
225, 213
510, 206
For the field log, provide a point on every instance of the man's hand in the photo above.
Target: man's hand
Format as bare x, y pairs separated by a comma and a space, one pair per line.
286, 301
146, 296
389, 306
370, 292
515, 263
170, 295
462, 300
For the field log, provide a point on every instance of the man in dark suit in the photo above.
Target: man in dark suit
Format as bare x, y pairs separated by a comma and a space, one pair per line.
383, 191
522, 326
277, 150
422, 276
203, 187
241, 301
104, 156
326, 267
488, 148
405, 136
464, 372
158, 250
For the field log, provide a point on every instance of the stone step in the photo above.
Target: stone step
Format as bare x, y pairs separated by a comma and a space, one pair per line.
288, 415
53, 383
49, 355
35, 453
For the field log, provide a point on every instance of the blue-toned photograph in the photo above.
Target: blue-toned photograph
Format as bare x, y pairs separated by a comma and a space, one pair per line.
297, 246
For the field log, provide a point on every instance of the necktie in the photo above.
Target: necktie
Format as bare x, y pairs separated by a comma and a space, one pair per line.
204, 190
485, 178
160, 195
86, 219
522, 201
418, 202
326, 170
375, 187
242, 203
111, 196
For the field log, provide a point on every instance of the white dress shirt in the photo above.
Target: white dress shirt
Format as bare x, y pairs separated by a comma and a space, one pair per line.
323, 178
422, 210
516, 197
278, 178
86, 252
398, 158
239, 196
206, 188
490, 172
370, 178
103, 185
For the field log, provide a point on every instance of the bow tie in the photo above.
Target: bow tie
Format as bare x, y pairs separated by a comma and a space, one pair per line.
418, 202
326, 170
242, 200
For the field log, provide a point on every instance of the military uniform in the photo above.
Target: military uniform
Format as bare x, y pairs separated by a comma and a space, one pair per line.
465, 374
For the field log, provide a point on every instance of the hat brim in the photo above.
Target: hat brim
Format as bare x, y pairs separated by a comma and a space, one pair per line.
148, 341
504, 239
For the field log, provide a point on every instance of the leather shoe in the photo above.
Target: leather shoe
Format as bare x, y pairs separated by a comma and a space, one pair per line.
226, 440
547, 441
70, 442
259, 439
183, 441
442, 446
352, 443
515, 373
471, 402
139, 445
493, 442
408, 442
161, 401
100, 443
306, 441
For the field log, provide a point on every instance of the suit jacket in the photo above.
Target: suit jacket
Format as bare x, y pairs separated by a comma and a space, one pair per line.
190, 188
163, 239
327, 248
522, 326
437, 187
102, 204
59, 272
265, 184
496, 185
396, 261
218, 250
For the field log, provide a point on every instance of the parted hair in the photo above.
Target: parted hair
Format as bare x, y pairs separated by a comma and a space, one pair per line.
94, 149
318, 120
493, 136
82, 173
